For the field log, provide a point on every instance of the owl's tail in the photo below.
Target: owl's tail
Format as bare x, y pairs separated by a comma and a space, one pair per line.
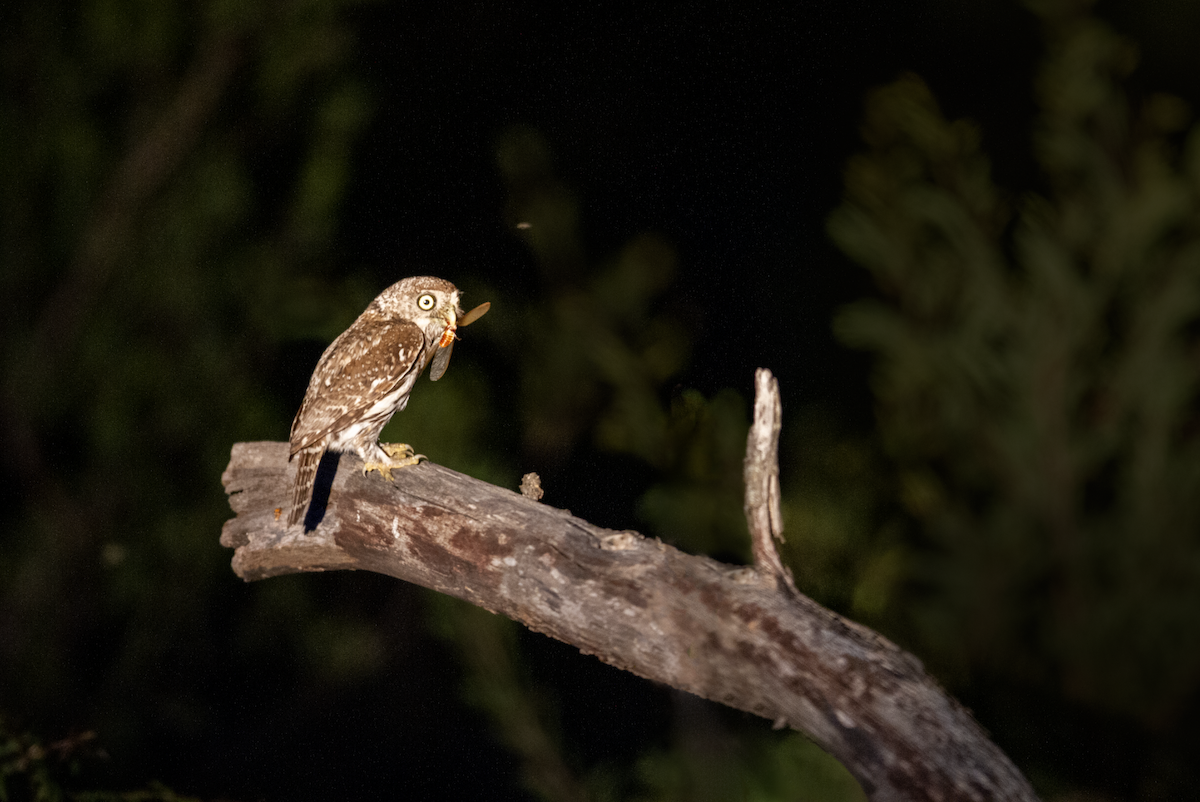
306, 475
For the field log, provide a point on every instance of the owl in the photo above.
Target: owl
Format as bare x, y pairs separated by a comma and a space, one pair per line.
365, 376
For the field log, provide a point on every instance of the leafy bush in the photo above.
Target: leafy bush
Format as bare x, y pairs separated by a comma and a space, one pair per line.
1036, 379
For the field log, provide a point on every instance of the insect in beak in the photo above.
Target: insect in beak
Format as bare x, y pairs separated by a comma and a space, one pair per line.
448, 336
441, 358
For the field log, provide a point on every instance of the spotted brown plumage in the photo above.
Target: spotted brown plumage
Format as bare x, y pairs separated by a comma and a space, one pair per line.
365, 376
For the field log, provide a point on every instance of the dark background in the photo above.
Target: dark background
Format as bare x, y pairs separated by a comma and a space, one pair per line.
354, 144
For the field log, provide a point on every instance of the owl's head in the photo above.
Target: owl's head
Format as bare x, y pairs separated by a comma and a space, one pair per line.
431, 303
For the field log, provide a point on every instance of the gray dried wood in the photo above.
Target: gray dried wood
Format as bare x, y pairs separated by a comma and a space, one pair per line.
685, 621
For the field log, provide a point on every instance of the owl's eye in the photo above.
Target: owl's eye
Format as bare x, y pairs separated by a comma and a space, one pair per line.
426, 302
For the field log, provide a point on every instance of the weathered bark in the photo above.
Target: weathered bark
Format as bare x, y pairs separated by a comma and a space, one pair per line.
735, 635
761, 474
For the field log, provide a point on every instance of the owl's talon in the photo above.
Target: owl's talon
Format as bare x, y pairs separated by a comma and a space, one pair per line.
401, 456
401, 450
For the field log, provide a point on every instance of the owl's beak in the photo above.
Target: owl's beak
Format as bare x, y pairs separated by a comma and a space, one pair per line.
450, 315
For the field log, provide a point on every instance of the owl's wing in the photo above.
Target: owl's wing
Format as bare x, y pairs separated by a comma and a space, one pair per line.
363, 365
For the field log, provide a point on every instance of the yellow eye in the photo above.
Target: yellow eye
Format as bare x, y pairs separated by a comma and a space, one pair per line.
426, 302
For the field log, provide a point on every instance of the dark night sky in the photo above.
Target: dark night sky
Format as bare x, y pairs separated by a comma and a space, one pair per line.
725, 130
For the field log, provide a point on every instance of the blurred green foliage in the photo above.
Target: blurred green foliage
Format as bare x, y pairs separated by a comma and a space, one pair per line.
598, 351
1036, 383
594, 369
488, 647
708, 764
169, 198
170, 231
33, 770
172, 196
842, 546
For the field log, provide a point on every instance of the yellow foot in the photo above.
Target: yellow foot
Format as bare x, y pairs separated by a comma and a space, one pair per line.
402, 456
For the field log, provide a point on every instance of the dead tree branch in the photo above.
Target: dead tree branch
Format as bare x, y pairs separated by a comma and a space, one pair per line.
714, 630
761, 472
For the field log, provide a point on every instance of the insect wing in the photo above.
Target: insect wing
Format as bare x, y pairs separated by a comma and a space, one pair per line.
475, 314
441, 360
